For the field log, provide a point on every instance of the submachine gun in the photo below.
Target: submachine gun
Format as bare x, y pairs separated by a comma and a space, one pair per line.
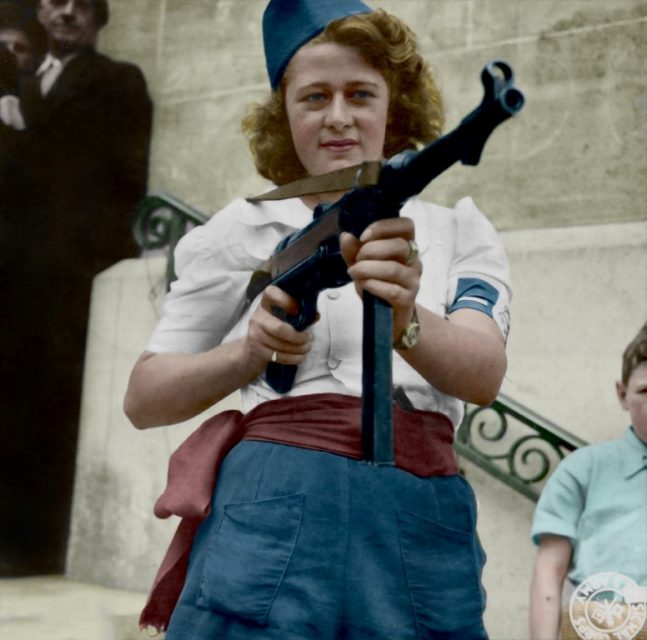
308, 261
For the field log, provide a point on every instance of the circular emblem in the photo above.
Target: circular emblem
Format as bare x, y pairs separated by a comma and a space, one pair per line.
608, 606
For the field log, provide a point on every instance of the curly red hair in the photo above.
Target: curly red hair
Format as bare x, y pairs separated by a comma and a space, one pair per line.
416, 113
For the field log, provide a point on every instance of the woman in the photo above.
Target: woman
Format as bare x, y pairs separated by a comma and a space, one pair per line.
302, 539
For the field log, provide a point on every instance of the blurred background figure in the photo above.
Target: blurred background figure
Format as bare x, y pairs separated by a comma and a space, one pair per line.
22, 44
82, 152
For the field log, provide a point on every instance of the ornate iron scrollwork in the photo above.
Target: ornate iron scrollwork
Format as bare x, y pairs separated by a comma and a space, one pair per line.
160, 221
514, 444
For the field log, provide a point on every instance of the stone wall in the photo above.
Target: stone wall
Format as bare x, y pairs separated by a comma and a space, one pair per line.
575, 155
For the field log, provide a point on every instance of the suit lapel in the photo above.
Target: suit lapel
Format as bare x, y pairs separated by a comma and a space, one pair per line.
77, 74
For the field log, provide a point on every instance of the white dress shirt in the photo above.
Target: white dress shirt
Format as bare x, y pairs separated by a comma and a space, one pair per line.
206, 305
49, 71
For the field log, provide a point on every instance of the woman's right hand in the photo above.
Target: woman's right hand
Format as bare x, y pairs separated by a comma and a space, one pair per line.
268, 334
167, 388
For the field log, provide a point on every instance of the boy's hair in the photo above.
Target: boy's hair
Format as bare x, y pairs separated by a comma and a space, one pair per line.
415, 111
635, 354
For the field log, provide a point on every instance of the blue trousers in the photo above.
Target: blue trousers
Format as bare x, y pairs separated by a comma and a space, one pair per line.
305, 545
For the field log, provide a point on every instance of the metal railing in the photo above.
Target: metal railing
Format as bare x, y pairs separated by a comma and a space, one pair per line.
160, 221
514, 444
506, 439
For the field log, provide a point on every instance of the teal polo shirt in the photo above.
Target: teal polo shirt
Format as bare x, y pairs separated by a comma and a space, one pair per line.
597, 497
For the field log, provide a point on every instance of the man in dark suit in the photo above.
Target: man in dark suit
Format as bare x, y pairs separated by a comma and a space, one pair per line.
91, 118
86, 146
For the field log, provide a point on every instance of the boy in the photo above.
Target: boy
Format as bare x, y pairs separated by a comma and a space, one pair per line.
592, 518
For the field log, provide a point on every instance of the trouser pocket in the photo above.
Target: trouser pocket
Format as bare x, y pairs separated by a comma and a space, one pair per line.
443, 569
248, 556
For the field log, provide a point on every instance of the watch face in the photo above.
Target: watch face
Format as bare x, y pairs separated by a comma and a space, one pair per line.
411, 335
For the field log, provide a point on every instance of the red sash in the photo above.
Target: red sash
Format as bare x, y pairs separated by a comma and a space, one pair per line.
323, 422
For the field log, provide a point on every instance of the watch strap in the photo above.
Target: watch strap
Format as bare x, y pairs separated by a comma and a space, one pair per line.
410, 334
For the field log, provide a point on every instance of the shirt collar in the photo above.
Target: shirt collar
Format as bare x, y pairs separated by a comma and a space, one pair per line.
297, 215
51, 61
291, 213
637, 459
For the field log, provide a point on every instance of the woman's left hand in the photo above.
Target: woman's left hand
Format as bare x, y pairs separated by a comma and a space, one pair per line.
384, 262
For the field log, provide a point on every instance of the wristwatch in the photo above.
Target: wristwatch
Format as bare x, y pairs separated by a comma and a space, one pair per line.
410, 334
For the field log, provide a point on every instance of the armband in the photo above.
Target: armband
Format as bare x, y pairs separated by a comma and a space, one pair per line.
474, 293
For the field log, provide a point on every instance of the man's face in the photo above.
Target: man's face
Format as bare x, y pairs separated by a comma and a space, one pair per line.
633, 398
19, 45
70, 24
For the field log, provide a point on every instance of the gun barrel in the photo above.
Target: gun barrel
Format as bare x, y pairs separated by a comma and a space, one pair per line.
512, 100
409, 172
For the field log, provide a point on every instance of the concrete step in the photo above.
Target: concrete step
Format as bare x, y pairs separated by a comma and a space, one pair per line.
55, 608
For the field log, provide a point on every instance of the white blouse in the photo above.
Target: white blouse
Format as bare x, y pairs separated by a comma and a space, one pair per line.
464, 265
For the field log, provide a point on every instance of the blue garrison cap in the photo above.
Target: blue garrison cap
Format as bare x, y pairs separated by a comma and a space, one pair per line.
289, 24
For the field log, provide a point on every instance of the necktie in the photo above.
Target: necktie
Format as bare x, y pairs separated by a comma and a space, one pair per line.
49, 75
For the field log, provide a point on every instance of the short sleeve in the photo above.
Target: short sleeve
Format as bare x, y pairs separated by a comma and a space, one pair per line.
213, 264
479, 276
563, 498
202, 306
